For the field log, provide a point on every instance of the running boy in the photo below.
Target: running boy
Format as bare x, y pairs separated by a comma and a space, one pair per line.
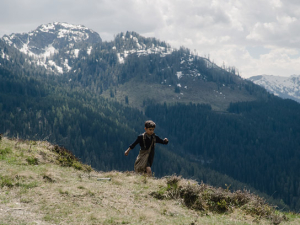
147, 142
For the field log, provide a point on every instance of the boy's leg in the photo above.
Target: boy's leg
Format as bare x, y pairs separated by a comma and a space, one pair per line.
149, 163
148, 170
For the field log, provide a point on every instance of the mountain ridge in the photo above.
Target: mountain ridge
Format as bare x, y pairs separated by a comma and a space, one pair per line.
284, 87
184, 75
48, 39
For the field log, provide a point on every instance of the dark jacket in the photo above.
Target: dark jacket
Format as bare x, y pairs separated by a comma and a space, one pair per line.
148, 142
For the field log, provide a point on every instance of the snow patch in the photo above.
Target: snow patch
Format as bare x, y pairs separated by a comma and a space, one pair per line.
66, 65
49, 51
120, 58
4, 56
89, 50
26, 50
143, 50
179, 74
8, 41
75, 53
58, 68
47, 27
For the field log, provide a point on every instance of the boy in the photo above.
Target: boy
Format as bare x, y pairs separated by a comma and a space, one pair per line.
147, 142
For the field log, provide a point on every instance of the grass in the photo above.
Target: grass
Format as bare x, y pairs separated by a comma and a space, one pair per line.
52, 192
197, 91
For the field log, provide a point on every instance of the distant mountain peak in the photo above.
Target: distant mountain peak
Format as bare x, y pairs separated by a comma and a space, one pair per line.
131, 42
284, 87
55, 34
52, 26
48, 39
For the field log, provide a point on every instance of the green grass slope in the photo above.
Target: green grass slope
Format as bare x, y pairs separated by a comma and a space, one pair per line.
139, 92
45, 184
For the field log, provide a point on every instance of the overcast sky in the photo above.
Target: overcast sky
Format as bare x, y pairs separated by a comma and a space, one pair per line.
257, 37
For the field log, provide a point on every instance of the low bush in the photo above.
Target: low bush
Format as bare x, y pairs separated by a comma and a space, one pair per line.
204, 197
66, 158
32, 161
5, 151
6, 181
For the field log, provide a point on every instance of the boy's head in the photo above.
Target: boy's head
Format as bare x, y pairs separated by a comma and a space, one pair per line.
150, 124
149, 127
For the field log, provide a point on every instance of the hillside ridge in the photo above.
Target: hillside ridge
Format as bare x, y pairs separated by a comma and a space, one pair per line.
45, 184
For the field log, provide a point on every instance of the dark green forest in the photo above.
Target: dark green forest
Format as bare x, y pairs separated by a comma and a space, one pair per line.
255, 142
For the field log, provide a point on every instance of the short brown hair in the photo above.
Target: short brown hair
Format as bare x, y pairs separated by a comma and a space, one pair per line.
150, 124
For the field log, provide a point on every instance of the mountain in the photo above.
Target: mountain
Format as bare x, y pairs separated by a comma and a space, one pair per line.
160, 73
45, 184
284, 87
222, 129
51, 39
78, 54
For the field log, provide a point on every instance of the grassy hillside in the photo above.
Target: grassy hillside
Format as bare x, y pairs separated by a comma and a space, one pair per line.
196, 91
45, 184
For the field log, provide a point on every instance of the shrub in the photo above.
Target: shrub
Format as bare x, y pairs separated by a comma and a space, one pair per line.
173, 190
48, 178
66, 158
5, 151
27, 185
190, 194
173, 180
240, 198
6, 181
32, 161
204, 197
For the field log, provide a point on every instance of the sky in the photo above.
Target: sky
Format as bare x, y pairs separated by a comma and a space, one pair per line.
256, 37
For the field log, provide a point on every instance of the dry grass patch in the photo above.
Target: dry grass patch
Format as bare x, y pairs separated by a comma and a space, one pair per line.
53, 193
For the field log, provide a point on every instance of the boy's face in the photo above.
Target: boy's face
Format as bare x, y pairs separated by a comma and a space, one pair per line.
149, 131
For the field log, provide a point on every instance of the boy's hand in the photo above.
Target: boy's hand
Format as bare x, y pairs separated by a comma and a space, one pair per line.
127, 152
166, 140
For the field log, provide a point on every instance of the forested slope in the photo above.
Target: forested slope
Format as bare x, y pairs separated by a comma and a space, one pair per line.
255, 142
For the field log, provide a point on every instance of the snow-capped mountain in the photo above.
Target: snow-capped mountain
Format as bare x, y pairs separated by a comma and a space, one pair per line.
79, 54
131, 42
49, 39
58, 46
284, 87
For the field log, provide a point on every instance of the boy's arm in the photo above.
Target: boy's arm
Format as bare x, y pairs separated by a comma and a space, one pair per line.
160, 141
127, 151
132, 145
